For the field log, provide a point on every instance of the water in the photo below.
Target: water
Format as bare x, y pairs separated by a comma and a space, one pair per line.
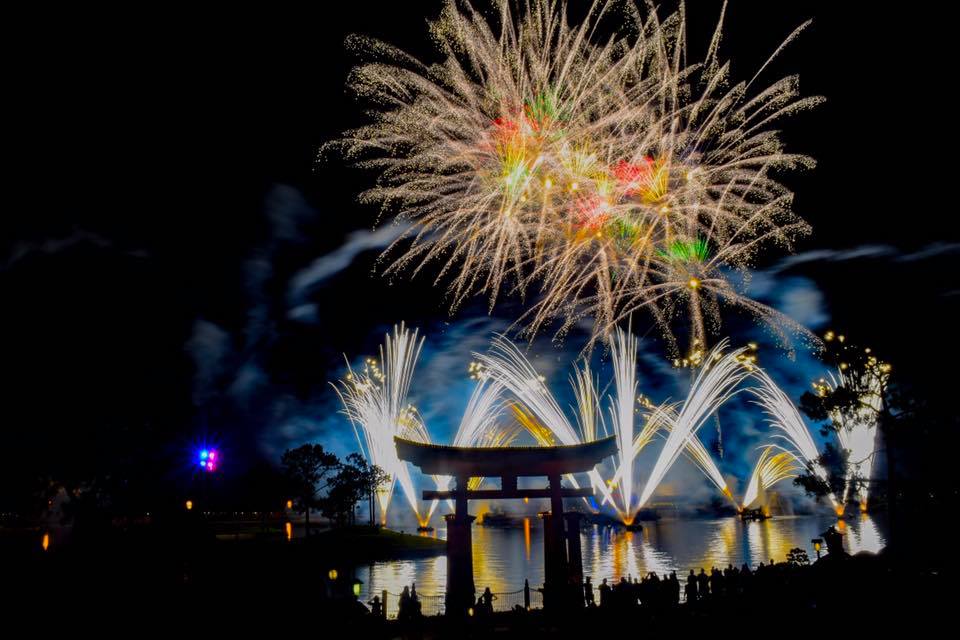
503, 558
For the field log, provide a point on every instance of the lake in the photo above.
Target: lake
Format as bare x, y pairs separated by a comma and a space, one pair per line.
504, 557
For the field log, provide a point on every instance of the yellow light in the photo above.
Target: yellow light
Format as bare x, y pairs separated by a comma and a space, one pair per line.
332, 574
694, 283
526, 500
356, 588
816, 546
289, 504
46, 541
189, 505
470, 612
828, 336
288, 527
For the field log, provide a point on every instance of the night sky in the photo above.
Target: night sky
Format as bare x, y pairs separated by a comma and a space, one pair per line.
176, 261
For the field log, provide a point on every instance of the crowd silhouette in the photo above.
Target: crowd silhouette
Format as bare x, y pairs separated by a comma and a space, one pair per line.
651, 591
656, 591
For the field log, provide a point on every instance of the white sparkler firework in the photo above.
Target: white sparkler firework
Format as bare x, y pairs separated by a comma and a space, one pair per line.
478, 426
505, 363
624, 355
782, 414
858, 432
716, 381
374, 399
775, 464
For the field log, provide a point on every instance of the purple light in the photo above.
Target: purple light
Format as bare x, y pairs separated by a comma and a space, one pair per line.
208, 459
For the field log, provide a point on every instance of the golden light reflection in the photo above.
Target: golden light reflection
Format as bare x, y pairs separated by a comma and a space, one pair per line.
864, 537
526, 537
288, 528
722, 544
46, 541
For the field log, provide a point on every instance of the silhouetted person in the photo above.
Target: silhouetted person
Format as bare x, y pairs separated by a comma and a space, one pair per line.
486, 600
376, 607
691, 588
588, 593
415, 606
716, 582
604, 589
834, 540
674, 589
703, 585
403, 607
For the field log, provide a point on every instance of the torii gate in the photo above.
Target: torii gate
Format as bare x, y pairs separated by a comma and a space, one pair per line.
563, 564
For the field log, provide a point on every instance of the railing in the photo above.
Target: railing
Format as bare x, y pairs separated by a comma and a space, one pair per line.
430, 605
433, 605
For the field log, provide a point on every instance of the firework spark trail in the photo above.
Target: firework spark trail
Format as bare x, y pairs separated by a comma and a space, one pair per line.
479, 426
656, 421
505, 364
660, 420
589, 416
775, 464
537, 410
715, 383
624, 356
374, 399
590, 163
701, 458
782, 414
413, 428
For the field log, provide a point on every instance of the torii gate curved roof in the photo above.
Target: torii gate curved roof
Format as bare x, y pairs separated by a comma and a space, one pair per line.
445, 460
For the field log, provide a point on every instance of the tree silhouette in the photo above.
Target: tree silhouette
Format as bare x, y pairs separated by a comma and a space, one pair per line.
308, 468
865, 391
355, 480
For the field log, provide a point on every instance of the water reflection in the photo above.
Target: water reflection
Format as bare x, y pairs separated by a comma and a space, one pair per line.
863, 535
503, 558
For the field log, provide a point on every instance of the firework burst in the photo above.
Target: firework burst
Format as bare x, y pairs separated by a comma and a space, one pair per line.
591, 165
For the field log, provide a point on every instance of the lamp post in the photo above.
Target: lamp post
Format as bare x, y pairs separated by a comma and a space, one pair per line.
817, 544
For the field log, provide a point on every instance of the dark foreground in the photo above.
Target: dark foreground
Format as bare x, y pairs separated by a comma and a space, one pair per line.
210, 585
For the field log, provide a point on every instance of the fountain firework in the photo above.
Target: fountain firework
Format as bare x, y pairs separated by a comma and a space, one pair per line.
857, 430
374, 399
775, 464
715, 382
782, 415
537, 410
592, 163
